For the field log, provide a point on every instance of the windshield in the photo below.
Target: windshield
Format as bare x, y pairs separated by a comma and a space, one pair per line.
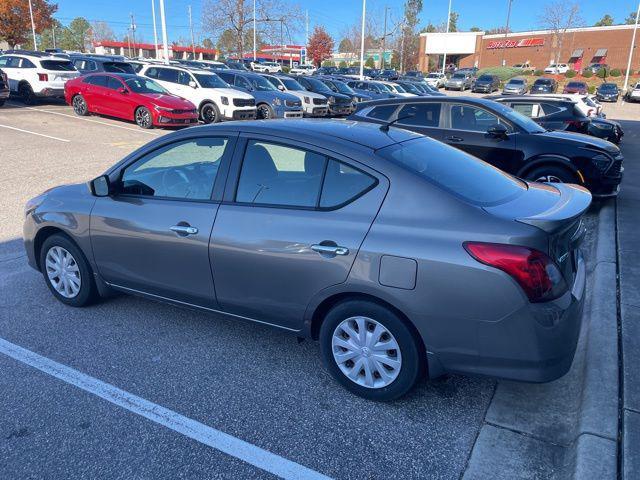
210, 80
398, 88
516, 82
458, 75
318, 85
608, 86
261, 84
456, 172
291, 84
384, 88
144, 85
576, 85
517, 118
343, 88
411, 88
485, 78
542, 81
58, 65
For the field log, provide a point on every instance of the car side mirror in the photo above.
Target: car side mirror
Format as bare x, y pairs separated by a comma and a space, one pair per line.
281, 88
100, 186
123, 91
497, 131
193, 84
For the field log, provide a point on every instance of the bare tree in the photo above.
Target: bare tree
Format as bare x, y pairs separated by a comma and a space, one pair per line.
559, 16
102, 31
276, 20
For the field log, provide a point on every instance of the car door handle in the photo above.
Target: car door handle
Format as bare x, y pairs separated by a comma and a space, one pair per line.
184, 229
330, 249
454, 139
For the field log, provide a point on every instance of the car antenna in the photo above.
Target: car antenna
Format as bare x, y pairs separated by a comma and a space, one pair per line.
385, 127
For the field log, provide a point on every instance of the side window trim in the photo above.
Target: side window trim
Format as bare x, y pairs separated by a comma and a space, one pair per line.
441, 117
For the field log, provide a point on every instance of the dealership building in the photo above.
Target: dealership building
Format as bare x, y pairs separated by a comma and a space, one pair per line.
580, 47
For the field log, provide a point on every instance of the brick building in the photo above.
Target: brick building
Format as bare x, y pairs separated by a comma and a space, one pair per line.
580, 47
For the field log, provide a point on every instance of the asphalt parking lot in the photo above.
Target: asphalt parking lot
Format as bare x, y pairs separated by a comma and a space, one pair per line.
251, 382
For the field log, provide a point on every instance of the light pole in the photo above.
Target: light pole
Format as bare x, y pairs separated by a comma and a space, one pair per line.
254, 31
633, 44
33, 27
193, 44
444, 58
364, 10
384, 39
506, 32
155, 31
165, 42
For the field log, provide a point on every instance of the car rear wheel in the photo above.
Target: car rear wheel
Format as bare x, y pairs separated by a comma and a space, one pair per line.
26, 94
143, 117
67, 272
209, 113
552, 174
80, 106
265, 112
370, 351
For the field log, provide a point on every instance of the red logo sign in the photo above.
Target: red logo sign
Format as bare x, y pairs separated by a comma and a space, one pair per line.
525, 42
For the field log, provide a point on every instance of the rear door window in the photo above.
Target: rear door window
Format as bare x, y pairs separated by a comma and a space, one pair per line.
383, 112
114, 83
420, 115
472, 119
97, 80
168, 75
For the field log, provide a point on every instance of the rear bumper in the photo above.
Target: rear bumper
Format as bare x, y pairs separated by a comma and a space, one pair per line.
536, 343
50, 92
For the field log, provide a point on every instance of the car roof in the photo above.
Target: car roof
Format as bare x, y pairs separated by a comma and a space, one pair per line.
397, 100
521, 98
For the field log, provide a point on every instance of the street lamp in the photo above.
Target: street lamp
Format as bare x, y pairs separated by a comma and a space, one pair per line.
364, 9
165, 42
633, 43
506, 32
444, 58
33, 27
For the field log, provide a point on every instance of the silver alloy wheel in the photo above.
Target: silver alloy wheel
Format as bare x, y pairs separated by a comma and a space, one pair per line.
79, 105
143, 117
63, 272
549, 178
366, 352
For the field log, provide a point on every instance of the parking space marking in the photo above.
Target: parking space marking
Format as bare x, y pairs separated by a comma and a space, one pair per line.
34, 133
138, 130
204, 434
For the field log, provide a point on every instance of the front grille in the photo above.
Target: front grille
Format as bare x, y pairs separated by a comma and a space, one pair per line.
180, 112
343, 101
319, 101
244, 102
293, 103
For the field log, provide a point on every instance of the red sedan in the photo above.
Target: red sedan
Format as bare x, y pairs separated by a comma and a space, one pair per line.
576, 87
130, 97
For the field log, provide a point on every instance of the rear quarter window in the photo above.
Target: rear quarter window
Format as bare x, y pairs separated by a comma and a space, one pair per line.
58, 65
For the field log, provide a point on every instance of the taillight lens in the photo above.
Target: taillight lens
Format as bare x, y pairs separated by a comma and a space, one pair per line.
535, 272
43, 77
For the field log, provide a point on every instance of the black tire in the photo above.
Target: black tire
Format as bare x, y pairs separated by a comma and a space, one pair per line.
209, 113
80, 107
2, 102
553, 173
264, 112
143, 118
88, 292
26, 94
411, 352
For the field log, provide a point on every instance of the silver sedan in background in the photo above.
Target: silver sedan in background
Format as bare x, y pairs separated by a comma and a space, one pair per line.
516, 86
403, 256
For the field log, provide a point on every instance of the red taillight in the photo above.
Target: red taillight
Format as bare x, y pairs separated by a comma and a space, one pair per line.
43, 77
535, 272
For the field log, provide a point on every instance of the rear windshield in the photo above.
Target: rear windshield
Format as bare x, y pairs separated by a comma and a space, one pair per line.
608, 86
575, 84
58, 65
516, 82
459, 173
459, 75
543, 81
118, 67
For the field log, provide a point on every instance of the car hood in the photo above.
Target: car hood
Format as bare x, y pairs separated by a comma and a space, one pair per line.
233, 93
272, 95
170, 101
586, 141
483, 82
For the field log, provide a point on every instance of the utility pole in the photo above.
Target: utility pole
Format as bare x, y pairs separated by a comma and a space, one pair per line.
165, 42
193, 45
254, 31
281, 40
364, 11
33, 27
384, 39
633, 44
133, 32
506, 32
444, 58
53, 33
155, 31
306, 14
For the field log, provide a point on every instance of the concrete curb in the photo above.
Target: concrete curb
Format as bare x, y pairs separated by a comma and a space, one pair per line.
567, 428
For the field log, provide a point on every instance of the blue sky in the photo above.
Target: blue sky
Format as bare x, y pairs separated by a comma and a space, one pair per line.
334, 15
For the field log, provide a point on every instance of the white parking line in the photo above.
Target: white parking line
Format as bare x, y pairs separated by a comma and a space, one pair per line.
137, 130
204, 434
34, 133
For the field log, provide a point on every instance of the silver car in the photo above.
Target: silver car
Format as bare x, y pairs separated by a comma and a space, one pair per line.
516, 86
459, 81
403, 256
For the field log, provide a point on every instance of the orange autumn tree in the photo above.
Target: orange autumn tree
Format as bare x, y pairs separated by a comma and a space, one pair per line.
15, 21
320, 46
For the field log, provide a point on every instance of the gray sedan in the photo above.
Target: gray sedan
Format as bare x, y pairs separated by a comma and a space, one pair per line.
459, 81
403, 256
515, 86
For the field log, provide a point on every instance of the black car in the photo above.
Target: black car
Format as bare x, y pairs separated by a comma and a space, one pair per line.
339, 104
544, 85
486, 84
387, 74
413, 87
236, 65
505, 138
92, 64
4, 87
339, 86
608, 92
562, 114
414, 74
326, 71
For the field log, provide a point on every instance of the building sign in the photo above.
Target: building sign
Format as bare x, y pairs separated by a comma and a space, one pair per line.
525, 42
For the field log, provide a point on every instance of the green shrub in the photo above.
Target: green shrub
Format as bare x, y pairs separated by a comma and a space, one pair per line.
538, 73
592, 89
285, 69
570, 73
370, 62
343, 64
503, 73
328, 63
587, 74
528, 72
602, 73
616, 72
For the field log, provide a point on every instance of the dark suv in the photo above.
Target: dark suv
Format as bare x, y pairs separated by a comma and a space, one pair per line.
505, 138
4, 87
93, 64
339, 104
544, 85
486, 84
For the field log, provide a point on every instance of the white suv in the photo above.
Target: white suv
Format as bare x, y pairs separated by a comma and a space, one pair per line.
267, 67
34, 74
303, 70
214, 97
557, 68
436, 79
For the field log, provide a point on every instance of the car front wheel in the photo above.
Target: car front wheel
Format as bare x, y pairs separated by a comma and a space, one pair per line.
143, 117
370, 350
209, 113
552, 174
67, 272
265, 112
80, 106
